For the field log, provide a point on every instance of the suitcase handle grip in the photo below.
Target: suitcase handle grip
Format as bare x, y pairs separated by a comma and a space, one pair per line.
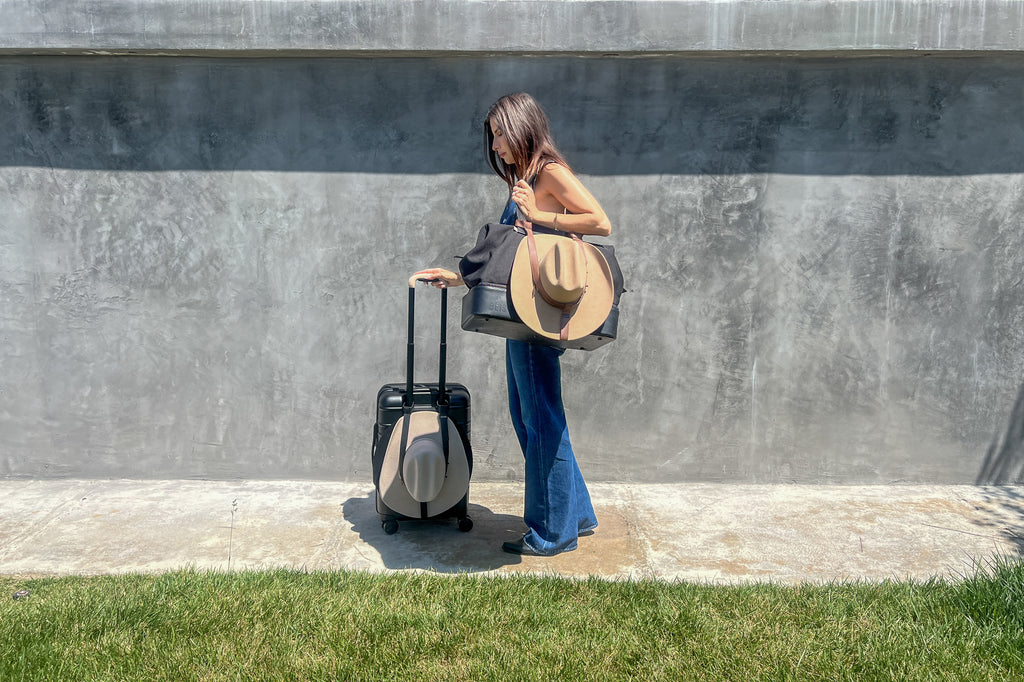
442, 397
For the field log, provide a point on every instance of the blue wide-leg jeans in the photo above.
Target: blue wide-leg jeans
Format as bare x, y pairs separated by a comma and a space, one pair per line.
557, 505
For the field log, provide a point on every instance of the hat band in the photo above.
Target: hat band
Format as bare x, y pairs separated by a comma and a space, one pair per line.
567, 308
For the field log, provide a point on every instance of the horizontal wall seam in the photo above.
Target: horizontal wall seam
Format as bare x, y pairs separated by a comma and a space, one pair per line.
514, 26
437, 54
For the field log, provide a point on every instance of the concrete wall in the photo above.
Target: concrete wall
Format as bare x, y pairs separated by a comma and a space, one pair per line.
202, 259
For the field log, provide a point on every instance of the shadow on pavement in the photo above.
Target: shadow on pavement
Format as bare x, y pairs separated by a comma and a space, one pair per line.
437, 545
1003, 509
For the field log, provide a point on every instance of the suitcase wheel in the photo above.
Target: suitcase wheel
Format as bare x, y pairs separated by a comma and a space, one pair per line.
390, 526
465, 524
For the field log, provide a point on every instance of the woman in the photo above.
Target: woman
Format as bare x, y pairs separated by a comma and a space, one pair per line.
545, 192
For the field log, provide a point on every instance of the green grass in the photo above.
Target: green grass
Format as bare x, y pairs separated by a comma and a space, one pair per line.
289, 625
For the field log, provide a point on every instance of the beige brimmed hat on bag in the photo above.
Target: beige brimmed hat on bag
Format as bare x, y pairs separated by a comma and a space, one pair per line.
564, 289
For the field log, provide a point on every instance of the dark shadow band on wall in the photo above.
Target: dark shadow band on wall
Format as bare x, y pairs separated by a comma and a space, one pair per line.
925, 115
1004, 461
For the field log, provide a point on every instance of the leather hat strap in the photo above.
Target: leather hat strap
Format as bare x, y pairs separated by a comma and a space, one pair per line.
567, 309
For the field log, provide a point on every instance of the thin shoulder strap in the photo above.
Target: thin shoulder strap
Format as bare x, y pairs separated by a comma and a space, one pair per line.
533, 182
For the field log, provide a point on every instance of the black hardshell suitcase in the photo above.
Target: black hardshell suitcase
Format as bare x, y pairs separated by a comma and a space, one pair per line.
452, 400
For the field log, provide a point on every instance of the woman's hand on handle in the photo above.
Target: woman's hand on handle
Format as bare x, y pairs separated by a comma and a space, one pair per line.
437, 277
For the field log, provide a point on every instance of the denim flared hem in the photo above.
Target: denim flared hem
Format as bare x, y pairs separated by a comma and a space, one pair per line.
557, 504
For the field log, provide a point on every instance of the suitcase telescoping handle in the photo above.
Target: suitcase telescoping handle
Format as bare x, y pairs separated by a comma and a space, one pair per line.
442, 398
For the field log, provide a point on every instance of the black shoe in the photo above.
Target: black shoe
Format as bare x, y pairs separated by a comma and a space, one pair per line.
520, 548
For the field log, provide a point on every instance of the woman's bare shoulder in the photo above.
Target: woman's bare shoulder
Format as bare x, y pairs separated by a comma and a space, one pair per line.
556, 174
554, 167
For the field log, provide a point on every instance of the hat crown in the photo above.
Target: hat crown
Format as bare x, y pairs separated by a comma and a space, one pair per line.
563, 272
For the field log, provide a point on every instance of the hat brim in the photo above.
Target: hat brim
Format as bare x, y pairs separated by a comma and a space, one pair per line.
543, 318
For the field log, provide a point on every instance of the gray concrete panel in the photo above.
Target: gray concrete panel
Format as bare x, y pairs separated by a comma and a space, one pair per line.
580, 26
202, 262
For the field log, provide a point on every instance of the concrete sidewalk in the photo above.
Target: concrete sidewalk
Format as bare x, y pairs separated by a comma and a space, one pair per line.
700, 532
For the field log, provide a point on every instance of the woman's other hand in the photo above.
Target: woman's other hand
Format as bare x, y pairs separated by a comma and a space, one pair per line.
525, 199
437, 277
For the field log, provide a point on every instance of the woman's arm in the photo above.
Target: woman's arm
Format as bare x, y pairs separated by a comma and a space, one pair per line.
558, 188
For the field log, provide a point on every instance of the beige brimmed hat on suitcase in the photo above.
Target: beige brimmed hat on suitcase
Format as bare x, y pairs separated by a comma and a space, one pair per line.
564, 291
423, 474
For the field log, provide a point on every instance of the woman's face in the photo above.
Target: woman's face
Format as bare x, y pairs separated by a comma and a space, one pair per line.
500, 144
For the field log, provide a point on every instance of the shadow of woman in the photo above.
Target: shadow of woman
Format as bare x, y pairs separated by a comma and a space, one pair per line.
1004, 461
437, 545
1002, 469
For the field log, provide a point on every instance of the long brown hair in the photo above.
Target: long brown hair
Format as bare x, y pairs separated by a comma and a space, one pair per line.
526, 130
